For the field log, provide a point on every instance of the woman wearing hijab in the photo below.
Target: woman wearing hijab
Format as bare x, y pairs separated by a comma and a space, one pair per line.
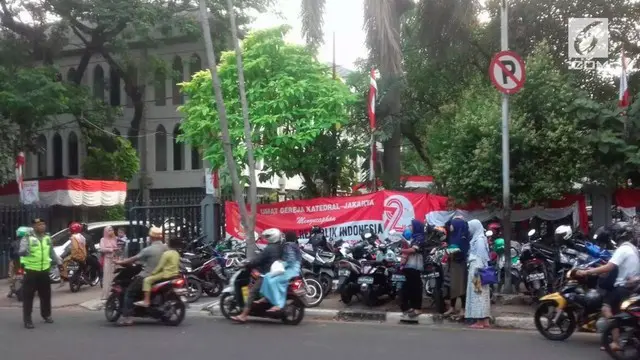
478, 307
458, 240
109, 249
274, 287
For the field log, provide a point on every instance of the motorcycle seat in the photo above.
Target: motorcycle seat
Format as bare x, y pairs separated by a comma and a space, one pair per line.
160, 284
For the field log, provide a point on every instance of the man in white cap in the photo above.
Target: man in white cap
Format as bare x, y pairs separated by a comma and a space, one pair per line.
148, 258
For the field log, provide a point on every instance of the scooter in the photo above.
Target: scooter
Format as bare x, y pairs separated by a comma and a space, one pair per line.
234, 298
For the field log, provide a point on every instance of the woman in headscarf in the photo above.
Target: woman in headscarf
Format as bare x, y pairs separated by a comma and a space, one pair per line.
478, 307
458, 239
274, 287
109, 249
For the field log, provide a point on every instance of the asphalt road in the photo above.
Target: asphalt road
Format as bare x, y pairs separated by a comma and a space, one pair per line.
78, 334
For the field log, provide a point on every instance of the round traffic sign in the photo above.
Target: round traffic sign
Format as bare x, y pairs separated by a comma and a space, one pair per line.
507, 72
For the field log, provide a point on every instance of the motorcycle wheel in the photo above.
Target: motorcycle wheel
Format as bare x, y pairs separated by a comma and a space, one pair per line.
19, 295
369, 298
194, 290
345, 295
293, 313
327, 284
228, 306
178, 311
112, 308
543, 312
314, 292
74, 285
438, 298
630, 341
215, 290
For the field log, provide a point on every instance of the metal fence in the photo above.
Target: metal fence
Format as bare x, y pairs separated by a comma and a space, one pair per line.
11, 218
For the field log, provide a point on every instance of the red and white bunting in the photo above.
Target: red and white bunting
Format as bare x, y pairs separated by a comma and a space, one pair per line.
20, 160
373, 89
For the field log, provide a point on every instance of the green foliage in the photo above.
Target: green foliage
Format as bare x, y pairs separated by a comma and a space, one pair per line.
28, 97
111, 158
548, 152
114, 213
294, 105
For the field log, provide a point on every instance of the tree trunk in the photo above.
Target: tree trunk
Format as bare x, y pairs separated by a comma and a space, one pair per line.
253, 191
224, 124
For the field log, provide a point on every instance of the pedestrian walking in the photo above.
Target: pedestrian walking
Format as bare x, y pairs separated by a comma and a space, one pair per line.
478, 306
459, 247
37, 253
109, 249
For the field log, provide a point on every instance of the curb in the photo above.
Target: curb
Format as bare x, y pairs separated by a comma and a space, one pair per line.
503, 322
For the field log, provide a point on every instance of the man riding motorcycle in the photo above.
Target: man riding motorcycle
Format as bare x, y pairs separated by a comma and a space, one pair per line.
623, 266
262, 263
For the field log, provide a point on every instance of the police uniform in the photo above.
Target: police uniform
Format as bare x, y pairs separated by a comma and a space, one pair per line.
36, 253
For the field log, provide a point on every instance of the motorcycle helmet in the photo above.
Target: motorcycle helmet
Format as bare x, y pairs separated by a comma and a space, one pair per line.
621, 232
602, 235
75, 228
23, 231
273, 235
316, 230
563, 232
498, 245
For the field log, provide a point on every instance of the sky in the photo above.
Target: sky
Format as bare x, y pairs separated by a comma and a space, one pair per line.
345, 17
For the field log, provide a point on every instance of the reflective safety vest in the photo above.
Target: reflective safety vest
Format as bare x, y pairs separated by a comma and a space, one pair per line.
39, 250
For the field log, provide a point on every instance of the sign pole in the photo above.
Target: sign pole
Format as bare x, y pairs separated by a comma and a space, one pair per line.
506, 191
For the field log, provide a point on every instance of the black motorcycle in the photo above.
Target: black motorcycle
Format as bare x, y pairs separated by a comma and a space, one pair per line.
167, 298
85, 274
350, 269
627, 322
433, 277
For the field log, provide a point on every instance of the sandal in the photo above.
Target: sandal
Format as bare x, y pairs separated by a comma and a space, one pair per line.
238, 320
476, 326
127, 322
274, 309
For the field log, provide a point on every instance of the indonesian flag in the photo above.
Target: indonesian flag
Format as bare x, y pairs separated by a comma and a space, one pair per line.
373, 89
20, 171
624, 97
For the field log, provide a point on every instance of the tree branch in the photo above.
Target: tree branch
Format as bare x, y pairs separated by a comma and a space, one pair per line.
416, 142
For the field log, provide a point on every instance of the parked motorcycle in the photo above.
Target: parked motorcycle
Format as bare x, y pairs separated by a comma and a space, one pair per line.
535, 273
79, 277
577, 304
16, 286
168, 301
234, 297
205, 267
433, 277
627, 322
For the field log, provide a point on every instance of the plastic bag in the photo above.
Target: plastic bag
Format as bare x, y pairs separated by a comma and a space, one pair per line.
277, 268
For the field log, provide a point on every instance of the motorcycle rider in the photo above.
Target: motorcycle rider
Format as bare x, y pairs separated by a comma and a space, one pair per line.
149, 257
77, 250
262, 263
623, 266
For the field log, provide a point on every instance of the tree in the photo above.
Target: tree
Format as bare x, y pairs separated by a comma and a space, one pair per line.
294, 105
548, 151
111, 158
28, 98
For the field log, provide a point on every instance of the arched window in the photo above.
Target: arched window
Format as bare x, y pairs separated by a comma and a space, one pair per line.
160, 87
178, 150
73, 154
114, 88
41, 145
71, 74
133, 138
196, 159
161, 148
98, 82
115, 132
178, 77
57, 156
195, 64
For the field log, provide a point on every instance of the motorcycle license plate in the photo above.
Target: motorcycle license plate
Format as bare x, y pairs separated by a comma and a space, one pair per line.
344, 272
365, 280
74, 267
398, 277
245, 293
433, 275
537, 276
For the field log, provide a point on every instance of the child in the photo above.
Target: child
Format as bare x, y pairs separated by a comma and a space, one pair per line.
168, 267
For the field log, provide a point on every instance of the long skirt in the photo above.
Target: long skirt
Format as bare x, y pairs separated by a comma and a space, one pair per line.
107, 276
274, 288
457, 279
478, 305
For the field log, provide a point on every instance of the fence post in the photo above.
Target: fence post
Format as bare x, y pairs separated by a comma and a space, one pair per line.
208, 218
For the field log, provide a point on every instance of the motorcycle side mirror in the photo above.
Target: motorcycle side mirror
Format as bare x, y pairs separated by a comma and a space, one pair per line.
531, 232
489, 233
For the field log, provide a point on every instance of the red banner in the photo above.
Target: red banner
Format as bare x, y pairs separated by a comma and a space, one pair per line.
340, 217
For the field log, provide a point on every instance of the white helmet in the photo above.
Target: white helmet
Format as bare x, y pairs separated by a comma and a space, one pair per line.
273, 235
564, 231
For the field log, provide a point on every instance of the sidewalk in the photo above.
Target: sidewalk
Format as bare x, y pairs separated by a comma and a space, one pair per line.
60, 296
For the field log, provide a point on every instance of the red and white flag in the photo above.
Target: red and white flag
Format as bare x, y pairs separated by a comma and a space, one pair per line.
373, 89
20, 160
624, 98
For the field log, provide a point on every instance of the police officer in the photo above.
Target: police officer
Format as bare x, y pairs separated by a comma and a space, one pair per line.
36, 254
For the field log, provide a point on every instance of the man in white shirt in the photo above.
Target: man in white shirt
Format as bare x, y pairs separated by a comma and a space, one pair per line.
626, 261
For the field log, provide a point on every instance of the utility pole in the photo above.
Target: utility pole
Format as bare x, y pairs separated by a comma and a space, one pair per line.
506, 188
